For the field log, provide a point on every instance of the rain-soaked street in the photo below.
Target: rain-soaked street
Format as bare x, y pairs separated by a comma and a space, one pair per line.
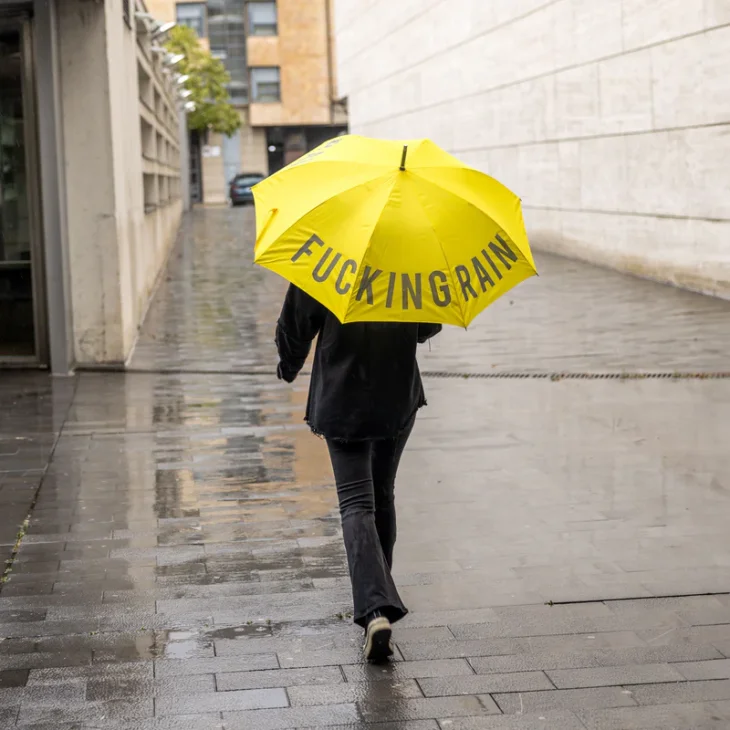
563, 520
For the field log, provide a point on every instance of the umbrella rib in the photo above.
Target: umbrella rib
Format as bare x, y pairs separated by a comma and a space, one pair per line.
468, 202
446, 258
358, 279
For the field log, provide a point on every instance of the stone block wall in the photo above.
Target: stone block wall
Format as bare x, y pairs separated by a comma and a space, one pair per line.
610, 118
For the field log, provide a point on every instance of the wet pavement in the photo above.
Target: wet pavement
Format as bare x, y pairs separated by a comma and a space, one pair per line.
563, 542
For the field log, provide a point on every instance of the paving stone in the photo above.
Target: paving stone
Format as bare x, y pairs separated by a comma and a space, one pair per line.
560, 720
695, 634
697, 716
607, 676
319, 658
54, 694
564, 699
179, 667
13, 678
429, 708
123, 687
89, 712
49, 628
367, 692
10, 616
11, 696
696, 670
485, 684
295, 717
278, 678
288, 645
600, 658
408, 670
8, 716
128, 670
567, 626
582, 642
705, 616
454, 649
703, 691
252, 699
197, 721
43, 660
429, 634
407, 725
55, 726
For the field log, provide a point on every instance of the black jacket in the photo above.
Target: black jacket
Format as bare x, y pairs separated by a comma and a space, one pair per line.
365, 380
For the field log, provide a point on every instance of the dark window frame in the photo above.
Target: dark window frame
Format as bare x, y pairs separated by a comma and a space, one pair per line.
203, 17
252, 26
254, 85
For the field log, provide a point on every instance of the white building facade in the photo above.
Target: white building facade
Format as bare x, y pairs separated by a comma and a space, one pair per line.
609, 118
93, 173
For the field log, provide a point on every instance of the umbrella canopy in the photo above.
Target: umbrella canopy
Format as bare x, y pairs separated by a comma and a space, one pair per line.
385, 231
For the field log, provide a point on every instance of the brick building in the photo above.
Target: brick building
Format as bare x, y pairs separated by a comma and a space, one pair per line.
280, 55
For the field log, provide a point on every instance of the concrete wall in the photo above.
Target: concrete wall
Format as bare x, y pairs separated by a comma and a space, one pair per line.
215, 185
610, 118
254, 153
117, 242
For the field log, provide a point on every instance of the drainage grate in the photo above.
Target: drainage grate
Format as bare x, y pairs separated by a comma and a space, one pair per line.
577, 376
658, 596
426, 374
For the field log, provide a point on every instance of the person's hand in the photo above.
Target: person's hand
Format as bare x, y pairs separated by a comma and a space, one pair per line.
283, 374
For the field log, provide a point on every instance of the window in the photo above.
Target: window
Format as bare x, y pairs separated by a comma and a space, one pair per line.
227, 35
262, 18
192, 15
265, 84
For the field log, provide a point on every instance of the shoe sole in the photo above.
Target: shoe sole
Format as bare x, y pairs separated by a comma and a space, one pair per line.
378, 648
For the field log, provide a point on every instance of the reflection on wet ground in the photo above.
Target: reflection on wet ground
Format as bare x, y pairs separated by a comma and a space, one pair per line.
183, 566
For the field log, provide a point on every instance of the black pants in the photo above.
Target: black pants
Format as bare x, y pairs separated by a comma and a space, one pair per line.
365, 475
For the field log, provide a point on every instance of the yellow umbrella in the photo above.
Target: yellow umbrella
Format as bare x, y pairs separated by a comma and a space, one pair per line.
384, 231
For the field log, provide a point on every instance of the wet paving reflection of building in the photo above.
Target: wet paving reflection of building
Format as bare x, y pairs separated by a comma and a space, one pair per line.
186, 482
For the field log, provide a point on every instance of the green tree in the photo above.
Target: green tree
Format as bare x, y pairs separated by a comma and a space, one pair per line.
207, 79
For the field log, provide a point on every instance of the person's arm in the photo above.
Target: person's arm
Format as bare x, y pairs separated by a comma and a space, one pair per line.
300, 320
427, 331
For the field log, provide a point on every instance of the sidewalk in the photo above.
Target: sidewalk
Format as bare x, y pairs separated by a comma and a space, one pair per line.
183, 566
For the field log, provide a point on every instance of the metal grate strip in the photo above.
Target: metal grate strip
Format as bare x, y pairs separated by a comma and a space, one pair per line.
578, 376
436, 374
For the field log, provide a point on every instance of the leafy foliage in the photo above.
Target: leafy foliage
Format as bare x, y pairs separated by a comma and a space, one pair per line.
207, 82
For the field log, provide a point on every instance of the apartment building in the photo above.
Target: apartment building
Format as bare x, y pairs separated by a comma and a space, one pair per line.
92, 178
280, 56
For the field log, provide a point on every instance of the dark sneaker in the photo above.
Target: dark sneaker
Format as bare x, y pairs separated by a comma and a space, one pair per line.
377, 639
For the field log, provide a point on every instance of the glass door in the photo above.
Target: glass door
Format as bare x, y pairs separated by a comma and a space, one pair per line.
20, 265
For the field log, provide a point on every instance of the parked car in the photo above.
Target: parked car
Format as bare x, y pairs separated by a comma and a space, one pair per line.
240, 190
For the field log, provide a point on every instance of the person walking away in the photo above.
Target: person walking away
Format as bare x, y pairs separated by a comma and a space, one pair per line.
364, 394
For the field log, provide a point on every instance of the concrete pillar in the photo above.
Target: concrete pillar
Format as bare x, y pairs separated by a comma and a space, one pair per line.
53, 192
90, 181
184, 160
215, 189
254, 154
